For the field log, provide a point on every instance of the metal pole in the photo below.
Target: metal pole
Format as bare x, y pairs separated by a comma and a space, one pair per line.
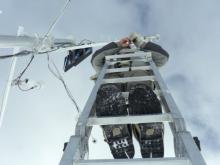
8, 41
10, 78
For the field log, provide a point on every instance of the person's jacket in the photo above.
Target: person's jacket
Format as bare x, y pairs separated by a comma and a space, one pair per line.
159, 55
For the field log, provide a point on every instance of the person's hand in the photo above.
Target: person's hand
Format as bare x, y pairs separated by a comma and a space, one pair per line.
137, 39
124, 42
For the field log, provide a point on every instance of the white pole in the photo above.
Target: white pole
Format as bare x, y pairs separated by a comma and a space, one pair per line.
10, 79
7, 41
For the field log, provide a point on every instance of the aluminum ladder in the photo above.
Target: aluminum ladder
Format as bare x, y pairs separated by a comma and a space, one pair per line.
186, 150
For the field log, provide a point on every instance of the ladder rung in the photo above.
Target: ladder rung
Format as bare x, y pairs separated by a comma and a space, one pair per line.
149, 161
157, 92
141, 54
128, 79
135, 60
115, 70
129, 119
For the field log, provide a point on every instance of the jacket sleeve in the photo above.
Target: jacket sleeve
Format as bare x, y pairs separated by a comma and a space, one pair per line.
98, 57
159, 55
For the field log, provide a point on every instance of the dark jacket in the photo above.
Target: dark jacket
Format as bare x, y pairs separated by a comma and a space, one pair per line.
159, 55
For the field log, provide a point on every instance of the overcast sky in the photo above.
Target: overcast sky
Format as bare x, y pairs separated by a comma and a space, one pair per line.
37, 123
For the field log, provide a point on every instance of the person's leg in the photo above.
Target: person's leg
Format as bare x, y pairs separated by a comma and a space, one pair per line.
142, 100
110, 102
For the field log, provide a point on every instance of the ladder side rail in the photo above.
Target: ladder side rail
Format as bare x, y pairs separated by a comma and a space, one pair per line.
75, 149
170, 106
71, 152
82, 129
191, 148
82, 121
76, 146
168, 99
182, 136
178, 125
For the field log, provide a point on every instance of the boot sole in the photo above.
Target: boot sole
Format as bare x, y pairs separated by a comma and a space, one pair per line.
120, 141
110, 102
142, 100
151, 140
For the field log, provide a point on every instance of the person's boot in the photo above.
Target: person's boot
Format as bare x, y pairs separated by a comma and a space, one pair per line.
110, 102
119, 138
150, 138
142, 100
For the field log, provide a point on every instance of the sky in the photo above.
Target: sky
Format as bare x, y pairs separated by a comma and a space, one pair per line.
38, 122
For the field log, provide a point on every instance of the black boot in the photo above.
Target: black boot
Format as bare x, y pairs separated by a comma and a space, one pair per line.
142, 100
110, 102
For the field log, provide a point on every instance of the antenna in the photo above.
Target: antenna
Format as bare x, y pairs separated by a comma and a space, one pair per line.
55, 21
57, 18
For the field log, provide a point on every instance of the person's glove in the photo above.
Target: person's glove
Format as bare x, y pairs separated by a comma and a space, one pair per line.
137, 39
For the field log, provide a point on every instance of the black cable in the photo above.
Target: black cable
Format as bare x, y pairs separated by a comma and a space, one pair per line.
59, 77
24, 70
17, 80
19, 54
25, 90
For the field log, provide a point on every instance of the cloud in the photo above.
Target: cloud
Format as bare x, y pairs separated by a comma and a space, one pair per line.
189, 32
193, 104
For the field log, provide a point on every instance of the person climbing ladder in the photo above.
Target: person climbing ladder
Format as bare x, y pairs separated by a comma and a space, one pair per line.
141, 100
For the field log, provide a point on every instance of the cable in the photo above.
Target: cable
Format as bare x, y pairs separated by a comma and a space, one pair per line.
17, 80
21, 53
24, 70
25, 90
59, 77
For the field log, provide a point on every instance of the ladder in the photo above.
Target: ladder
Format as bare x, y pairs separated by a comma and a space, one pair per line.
186, 150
